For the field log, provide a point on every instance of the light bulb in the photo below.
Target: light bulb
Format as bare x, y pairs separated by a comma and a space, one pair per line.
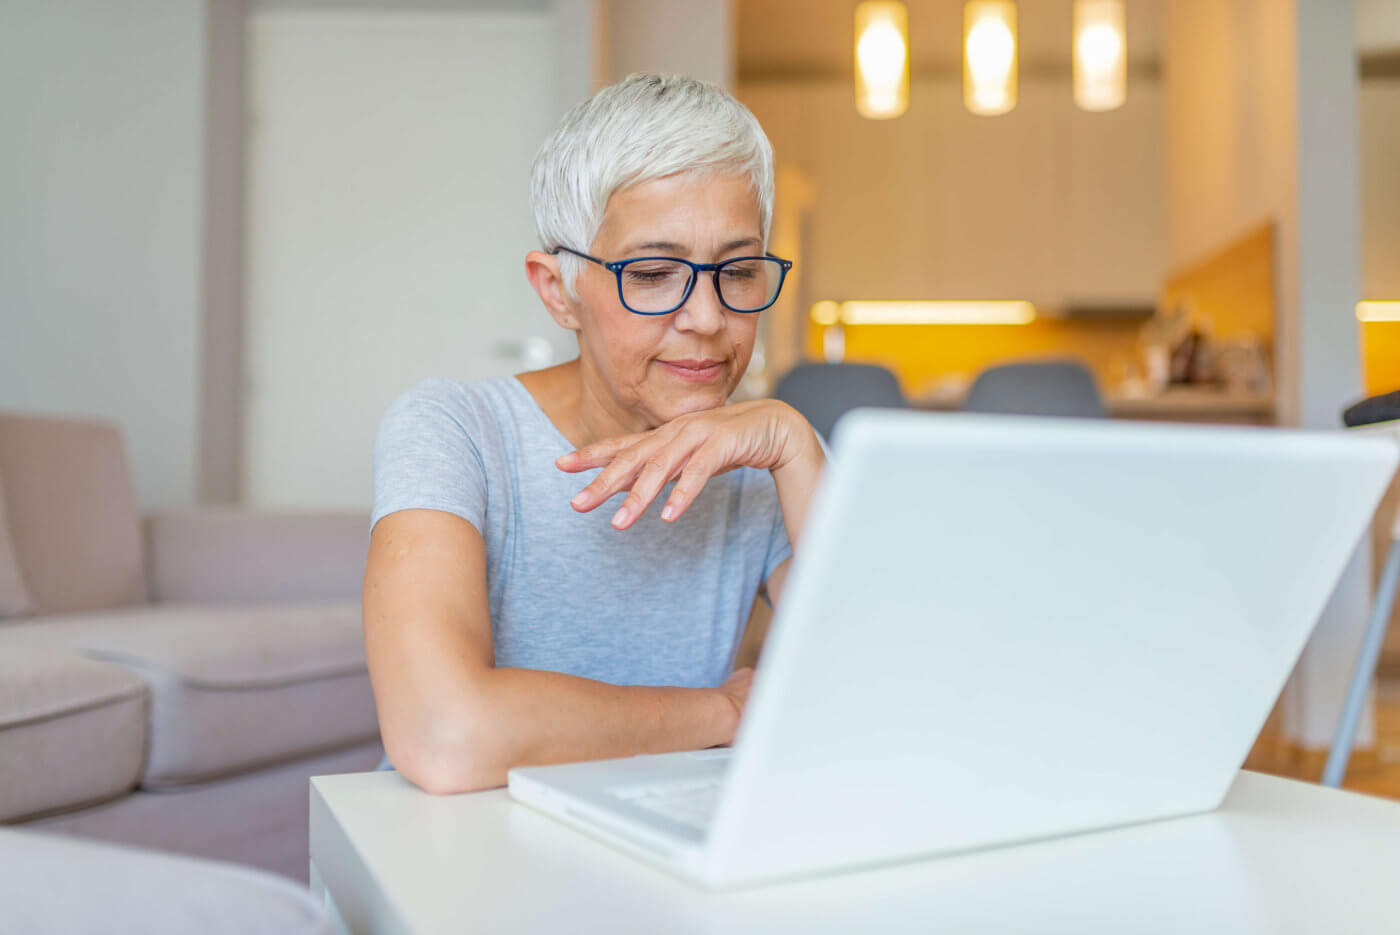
1100, 54
989, 56
882, 60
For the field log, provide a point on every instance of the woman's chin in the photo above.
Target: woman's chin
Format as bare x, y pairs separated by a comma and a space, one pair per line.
697, 399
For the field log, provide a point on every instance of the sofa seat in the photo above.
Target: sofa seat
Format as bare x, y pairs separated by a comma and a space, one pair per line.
56, 885
73, 731
232, 687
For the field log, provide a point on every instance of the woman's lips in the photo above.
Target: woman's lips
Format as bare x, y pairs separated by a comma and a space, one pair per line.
694, 371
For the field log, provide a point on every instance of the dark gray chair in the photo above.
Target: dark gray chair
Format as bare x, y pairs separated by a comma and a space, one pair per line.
1037, 388
825, 392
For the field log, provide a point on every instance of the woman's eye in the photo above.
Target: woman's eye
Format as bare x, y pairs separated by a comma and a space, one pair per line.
650, 275
739, 273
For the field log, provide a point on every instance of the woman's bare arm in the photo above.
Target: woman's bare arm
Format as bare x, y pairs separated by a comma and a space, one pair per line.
796, 479
452, 721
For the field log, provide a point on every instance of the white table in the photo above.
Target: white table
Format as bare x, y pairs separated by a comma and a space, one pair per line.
1279, 856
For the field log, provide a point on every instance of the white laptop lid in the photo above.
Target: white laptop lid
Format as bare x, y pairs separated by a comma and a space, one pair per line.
1003, 628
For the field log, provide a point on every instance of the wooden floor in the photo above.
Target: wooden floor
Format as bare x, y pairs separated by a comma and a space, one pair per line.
1375, 775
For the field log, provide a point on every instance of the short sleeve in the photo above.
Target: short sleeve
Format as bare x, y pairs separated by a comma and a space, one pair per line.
425, 455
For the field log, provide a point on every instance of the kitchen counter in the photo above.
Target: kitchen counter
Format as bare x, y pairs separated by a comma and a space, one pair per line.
1177, 404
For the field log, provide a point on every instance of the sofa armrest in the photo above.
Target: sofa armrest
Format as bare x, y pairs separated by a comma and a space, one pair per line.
64, 883
226, 555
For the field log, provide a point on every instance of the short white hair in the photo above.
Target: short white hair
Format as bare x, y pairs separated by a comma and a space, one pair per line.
642, 128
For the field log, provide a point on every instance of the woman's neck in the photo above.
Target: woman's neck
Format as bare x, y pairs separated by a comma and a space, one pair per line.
576, 400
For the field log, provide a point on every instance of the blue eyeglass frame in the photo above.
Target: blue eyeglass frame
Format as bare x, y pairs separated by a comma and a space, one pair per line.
617, 266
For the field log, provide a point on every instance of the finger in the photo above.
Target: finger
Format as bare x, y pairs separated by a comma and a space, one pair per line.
660, 468
597, 454
620, 473
698, 470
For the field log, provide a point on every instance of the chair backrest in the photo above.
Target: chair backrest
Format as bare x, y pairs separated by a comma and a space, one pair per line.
1373, 409
823, 392
72, 513
1037, 388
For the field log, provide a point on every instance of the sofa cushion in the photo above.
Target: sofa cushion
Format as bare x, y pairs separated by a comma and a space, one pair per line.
72, 513
233, 687
56, 884
15, 599
227, 555
72, 731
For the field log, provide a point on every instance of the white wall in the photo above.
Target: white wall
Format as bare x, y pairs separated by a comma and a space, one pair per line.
388, 221
101, 148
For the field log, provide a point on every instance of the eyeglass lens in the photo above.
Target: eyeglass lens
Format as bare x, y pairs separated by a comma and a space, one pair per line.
659, 285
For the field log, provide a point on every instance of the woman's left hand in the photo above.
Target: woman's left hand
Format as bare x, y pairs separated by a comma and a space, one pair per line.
691, 449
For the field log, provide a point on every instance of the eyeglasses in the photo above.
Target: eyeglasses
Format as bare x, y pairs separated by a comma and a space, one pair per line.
658, 285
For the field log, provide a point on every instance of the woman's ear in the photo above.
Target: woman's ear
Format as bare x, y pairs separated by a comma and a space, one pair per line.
544, 274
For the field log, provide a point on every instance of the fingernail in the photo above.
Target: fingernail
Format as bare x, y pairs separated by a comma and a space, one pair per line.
620, 518
568, 457
579, 499
668, 512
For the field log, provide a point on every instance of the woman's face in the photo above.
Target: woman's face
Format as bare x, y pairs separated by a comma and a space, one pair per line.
663, 366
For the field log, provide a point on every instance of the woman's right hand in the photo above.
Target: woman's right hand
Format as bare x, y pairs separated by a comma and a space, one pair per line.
736, 690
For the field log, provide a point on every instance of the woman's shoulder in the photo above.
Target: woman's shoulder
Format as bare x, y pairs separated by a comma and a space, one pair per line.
436, 405
438, 447
451, 393
456, 397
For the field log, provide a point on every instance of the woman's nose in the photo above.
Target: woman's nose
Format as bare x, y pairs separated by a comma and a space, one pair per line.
701, 312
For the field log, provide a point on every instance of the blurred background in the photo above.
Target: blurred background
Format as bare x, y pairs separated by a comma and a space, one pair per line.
240, 228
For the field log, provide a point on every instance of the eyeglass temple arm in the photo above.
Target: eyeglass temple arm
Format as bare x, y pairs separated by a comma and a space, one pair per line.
577, 253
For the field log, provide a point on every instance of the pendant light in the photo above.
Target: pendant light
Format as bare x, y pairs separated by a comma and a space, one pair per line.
882, 60
1100, 54
989, 56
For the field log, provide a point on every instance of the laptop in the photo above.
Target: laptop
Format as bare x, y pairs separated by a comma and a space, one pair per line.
1001, 629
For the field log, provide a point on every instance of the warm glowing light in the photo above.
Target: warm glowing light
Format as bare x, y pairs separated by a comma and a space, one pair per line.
826, 313
1100, 54
989, 56
1378, 311
923, 313
882, 60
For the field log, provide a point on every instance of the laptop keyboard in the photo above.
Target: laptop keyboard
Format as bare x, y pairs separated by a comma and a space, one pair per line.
688, 801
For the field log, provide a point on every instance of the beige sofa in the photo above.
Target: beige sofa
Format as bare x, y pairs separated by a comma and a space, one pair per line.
170, 681
63, 885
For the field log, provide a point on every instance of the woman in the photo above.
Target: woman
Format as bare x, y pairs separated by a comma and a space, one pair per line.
522, 603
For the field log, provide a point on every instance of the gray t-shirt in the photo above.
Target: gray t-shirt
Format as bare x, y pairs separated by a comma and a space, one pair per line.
657, 604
